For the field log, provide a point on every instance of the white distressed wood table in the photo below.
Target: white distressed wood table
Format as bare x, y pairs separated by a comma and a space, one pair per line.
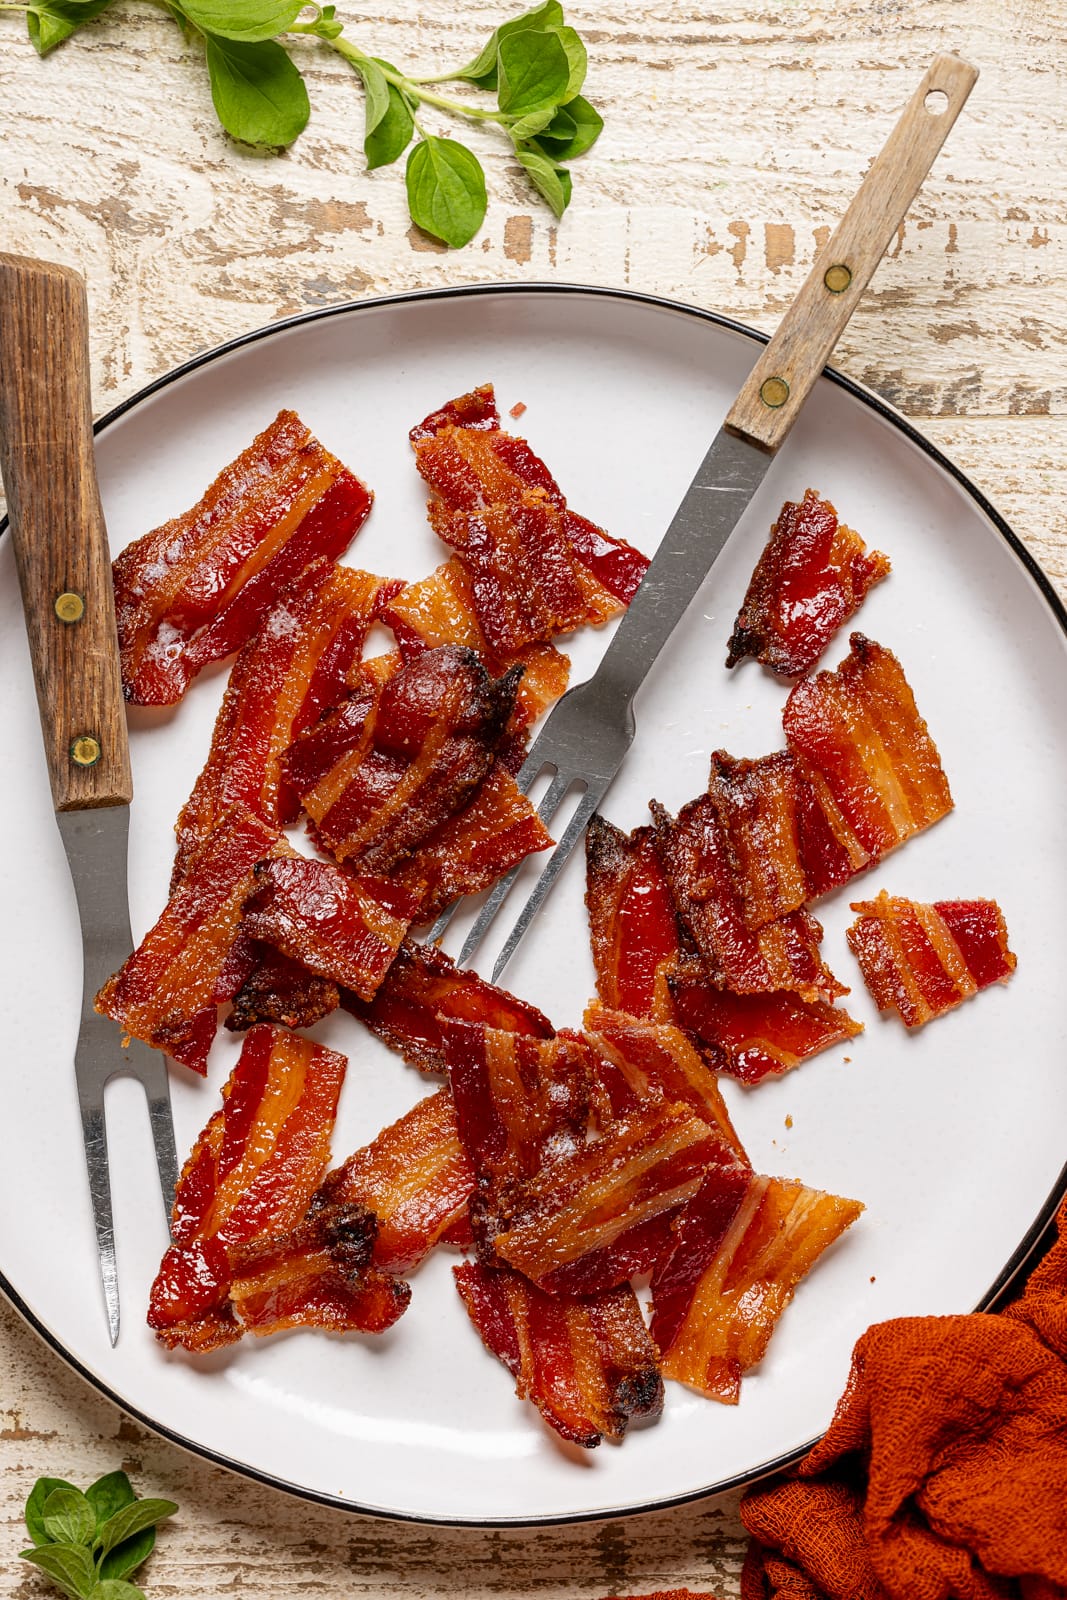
734, 139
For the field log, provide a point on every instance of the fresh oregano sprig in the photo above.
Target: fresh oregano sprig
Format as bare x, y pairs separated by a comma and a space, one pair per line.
91, 1544
532, 69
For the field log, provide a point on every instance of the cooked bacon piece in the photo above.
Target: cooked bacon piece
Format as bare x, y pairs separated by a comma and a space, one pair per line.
867, 751
589, 1366
782, 955
336, 925
520, 1101
318, 1275
751, 1036
380, 774
196, 589
636, 938
282, 991
294, 668
813, 575
595, 1218
415, 1177
475, 410
423, 988
167, 991
637, 1062
252, 1171
922, 960
742, 1247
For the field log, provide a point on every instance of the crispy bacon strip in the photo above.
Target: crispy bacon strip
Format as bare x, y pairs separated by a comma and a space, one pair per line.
294, 668
589, 1366
753, 1036
196, 589
637, 1062
636, 937
813, 574
742, 1247
338, 926
591, 1220
423, 988
280, 990
520, 1101
867, 751
382, 773
782, 955
252, 1171
415, 1177
922, 960
167, 991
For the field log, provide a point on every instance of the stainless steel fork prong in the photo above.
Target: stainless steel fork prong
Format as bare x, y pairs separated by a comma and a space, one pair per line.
555, 864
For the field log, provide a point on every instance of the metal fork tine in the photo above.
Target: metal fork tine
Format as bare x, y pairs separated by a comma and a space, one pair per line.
546, 811
560, 855
153, 1077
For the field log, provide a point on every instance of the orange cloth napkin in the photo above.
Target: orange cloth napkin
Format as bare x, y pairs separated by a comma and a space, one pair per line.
943, 1475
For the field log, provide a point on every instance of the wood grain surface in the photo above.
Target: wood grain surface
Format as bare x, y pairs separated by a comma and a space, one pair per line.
735, 137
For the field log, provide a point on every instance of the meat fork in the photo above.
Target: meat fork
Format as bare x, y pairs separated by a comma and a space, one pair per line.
586, 737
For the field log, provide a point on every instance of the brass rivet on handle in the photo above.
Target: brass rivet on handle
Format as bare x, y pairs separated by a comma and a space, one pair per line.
774, 392
837, 278
85, 751
69, 607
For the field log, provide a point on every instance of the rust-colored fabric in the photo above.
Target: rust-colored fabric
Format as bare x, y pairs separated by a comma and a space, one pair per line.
943, 1475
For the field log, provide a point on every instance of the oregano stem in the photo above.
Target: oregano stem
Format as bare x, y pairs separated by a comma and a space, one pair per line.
411, 86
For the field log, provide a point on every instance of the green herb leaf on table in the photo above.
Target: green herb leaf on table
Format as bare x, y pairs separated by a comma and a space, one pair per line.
108, 1495
533, 122
574, 129
551, 182
68, 1518
482, 70
35, 1507
133, 1519
376, 89
577, 60
249, 21
258, 94
446, 190
116, 1589
533, 71
49, 22
393, 133
128, 1556
70, 1567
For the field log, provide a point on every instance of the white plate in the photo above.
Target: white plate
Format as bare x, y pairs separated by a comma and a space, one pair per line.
952, 1138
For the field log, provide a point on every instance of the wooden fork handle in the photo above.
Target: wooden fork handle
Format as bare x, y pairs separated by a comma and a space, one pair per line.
767, 406
58, 532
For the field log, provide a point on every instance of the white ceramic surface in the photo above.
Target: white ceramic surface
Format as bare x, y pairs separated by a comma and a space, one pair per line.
953, 1138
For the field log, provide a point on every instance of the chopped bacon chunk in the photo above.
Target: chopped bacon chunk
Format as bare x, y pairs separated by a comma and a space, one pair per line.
752, 1036
642, 1061
252, 1172
589, 1366
696, 863
415, 1177
196, 589
380, 774
867, 751
338, 926
167, 991
280, 990
477, 409
813, 575
922, 960
424, 987
742, 1247
294, 668
591, 1220
636, 937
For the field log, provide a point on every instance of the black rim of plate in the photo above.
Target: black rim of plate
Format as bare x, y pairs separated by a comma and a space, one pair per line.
996, 1295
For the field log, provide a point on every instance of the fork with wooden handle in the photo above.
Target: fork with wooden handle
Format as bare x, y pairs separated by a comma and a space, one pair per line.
586, 738
61, 552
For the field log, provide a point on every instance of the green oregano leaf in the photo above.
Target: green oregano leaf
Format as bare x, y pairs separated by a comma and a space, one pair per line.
128, 1556
70, 1567
116, 1589
533, 71
577, 59
258, 94
392, 135
68, 1517
376, 90
246, 20
133, 1519
108, 1495
574, 129
49, 22
533, 122
483, 69
551, 182
35, 1506
446, 190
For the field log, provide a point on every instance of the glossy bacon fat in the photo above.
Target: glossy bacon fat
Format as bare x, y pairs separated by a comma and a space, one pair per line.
922, 960
195, 589
754, 1036
588, 1366
636, 937
812, 576
742, 1247
252, 1172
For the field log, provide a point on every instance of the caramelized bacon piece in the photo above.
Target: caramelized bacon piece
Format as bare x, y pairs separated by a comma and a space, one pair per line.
782, 955
167, 990
636, 939
813, 575
742, 1247
637, 1062
338, 926
591, 1220
379, 775
520, 1101
196, 589
867, 751
252, 1171
589, 1366
751, 1036
922, 960
280, 990
477, 409
294, 668
424, 987
415, 1177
